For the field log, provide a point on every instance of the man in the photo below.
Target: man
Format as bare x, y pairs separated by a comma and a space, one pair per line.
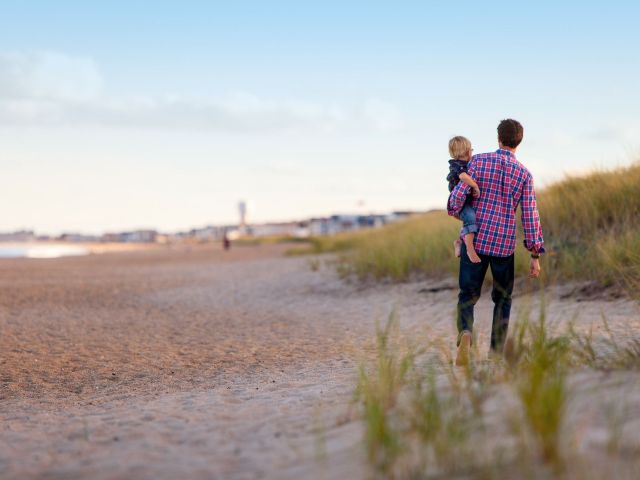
504, 184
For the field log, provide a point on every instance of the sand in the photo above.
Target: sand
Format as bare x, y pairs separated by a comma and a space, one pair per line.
199, 363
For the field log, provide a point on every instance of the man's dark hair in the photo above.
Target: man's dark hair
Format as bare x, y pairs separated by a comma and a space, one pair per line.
510, 133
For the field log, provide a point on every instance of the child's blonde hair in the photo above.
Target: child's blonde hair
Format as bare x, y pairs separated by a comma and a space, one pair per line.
459, 147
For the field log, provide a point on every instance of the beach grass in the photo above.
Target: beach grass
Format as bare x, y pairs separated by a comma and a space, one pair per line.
505, 417
539, 368
587, 349
378, 391
591, 226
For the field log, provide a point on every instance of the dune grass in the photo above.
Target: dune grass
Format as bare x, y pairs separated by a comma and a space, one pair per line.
378, 392
333, 243
420, 245
539, 367
433, 420
591, 226
428, 419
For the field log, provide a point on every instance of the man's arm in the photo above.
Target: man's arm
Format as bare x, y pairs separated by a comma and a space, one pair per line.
460, 192
533, 239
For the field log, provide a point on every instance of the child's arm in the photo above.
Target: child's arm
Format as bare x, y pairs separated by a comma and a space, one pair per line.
466, 178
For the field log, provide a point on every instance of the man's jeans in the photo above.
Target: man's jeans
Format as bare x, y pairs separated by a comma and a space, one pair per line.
471, 279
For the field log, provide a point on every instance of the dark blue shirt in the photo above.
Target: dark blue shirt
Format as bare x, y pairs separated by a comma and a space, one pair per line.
456, 167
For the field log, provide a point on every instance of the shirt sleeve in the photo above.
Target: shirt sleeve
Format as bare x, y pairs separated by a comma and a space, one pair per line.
533, 240
459, 194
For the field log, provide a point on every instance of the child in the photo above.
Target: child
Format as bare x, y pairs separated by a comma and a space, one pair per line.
460, 151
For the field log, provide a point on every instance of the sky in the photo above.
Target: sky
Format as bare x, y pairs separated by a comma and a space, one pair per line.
138, 114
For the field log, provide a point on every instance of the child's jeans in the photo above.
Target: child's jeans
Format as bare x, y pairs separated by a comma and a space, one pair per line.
468, 217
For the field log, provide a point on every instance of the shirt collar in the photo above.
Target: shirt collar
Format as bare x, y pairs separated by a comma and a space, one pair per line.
509, 154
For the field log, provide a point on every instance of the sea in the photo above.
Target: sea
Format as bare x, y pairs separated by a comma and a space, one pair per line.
36, 250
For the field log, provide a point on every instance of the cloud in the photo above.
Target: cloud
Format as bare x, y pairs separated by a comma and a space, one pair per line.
48, 76
54, 89
624, 131
382, 115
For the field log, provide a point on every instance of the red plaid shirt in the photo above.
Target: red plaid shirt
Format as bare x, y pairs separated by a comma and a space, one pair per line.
504, 183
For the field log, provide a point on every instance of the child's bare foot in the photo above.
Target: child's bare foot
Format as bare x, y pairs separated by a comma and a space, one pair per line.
457, 246
473, 256
471, 251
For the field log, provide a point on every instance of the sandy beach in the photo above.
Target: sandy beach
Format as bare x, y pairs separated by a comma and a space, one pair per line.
199, 363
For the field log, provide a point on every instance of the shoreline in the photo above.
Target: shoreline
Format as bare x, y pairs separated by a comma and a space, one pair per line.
91, 247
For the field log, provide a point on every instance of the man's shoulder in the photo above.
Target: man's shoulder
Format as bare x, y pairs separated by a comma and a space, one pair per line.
483, 161
500, 155
524, 171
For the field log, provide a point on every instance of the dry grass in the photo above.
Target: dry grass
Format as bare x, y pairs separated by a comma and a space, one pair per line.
430, 420
591, 226
334, 243
421, 244
539, 366
604, 352
378, 391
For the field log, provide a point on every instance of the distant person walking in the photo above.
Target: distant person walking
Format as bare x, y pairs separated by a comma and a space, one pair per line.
504, 184
226, 243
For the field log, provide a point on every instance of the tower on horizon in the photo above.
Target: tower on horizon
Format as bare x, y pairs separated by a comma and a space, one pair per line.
242, 210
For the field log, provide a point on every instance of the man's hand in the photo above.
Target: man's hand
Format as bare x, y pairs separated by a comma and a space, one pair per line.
534, 268
475, 191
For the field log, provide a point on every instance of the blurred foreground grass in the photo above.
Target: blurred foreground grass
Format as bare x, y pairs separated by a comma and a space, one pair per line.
521, 415
591, 226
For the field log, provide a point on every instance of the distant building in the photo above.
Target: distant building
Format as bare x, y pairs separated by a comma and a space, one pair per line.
140, 236
400, 214
19, 236
110, 238
209, 233
283, 229
137, 236
349, 222
78, 237
317, 226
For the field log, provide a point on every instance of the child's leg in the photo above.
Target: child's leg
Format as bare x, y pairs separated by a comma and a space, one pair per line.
468, 217
471, 251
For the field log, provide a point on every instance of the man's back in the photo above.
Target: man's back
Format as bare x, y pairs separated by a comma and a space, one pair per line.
504, 184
